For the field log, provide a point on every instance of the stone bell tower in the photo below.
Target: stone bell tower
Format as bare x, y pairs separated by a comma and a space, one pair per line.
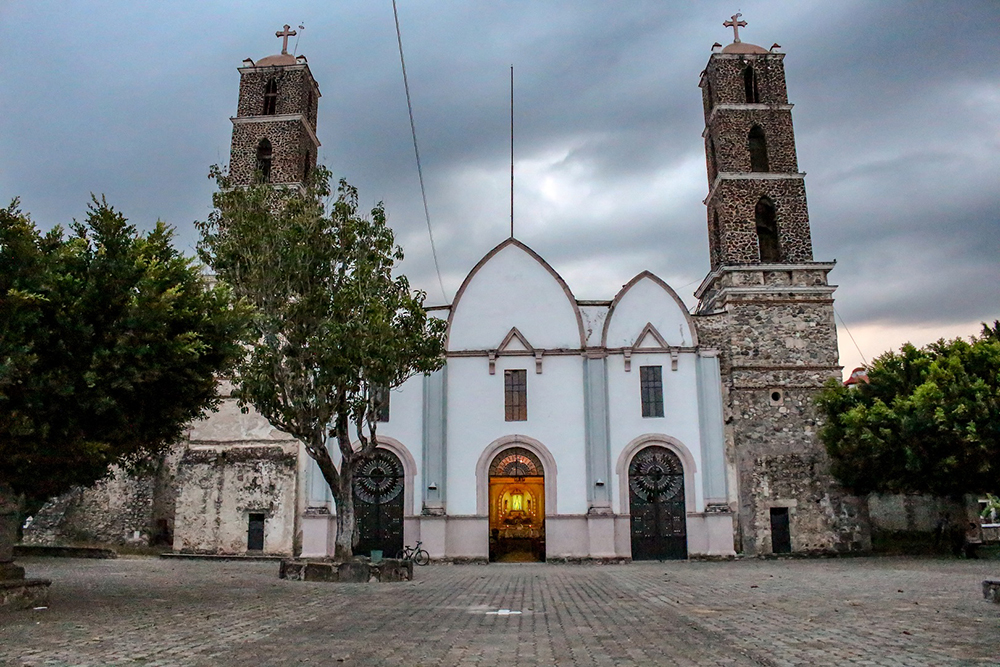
768, 308
274, 130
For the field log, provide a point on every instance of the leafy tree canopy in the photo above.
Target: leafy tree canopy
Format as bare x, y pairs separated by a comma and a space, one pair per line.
928, 420
333, 326
110, 342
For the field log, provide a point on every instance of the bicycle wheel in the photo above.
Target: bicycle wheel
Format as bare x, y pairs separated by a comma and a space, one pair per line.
421, 557
401, 555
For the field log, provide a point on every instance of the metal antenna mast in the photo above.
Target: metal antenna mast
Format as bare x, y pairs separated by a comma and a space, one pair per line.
512, 151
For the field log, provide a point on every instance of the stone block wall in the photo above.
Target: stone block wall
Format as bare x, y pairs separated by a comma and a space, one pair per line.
125, 508
726, 73
729, 133
291, 145
297, 91
734, 200
220, 486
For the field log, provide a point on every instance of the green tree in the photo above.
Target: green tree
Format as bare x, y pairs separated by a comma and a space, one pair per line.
110, 342
332, 326
928, 420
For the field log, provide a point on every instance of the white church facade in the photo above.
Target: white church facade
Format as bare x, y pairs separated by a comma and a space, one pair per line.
562, 428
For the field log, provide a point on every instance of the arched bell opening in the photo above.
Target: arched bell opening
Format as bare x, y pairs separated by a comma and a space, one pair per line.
517, 507
656, 505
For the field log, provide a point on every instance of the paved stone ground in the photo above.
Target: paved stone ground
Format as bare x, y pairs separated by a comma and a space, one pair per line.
862, 611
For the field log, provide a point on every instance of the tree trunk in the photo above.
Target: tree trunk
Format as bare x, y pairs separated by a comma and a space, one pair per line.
10, 515
343, 498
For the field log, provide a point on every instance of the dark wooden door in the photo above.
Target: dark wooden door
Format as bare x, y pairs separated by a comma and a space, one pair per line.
656, 504
378, 504
255, 532
781, 534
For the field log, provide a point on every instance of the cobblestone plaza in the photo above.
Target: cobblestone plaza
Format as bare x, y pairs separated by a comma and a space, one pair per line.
864, 611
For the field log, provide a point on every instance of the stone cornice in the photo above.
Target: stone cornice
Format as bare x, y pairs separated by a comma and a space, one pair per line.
279, 118
742, 107
750, 176
798, 266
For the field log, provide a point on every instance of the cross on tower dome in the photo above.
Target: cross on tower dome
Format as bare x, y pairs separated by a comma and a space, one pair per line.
286, 33
734, 22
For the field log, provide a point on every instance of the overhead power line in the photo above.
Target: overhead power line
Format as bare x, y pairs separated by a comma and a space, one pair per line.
416, 152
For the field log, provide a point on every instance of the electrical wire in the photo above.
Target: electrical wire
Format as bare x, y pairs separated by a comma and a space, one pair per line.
851, 336
416, 152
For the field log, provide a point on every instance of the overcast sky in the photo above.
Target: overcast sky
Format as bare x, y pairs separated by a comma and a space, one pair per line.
897, 122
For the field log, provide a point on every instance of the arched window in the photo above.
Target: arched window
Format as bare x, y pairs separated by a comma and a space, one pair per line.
716, 250
264, 160
750, 85
757, 146
270, 96
713, 165
767, 230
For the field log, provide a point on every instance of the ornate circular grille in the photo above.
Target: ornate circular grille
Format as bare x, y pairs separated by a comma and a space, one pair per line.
516, 462
380, 478
655, 473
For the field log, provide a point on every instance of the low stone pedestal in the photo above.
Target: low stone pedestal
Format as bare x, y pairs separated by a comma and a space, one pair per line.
357, 571
24, 593
991, 590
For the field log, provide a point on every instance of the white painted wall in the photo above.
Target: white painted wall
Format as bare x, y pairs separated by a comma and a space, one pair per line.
646, 301
513, 289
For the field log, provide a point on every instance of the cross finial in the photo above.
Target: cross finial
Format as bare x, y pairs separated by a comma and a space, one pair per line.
286, 33
735, 23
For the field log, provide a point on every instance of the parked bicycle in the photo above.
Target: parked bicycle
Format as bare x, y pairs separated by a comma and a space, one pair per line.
416, 554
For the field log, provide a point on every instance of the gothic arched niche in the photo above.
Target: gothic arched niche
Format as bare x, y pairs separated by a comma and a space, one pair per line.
264, 154
757, 147
750, 85
765, 217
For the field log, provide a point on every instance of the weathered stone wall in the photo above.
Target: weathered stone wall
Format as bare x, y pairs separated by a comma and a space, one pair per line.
892, 512
730, 130
290, 148
220, 486
734, 201
724, 78
297, 91
126, 508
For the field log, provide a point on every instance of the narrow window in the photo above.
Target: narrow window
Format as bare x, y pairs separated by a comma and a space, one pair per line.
307, 167
716, 238
515, 395
757, 145
255, 532
767, 230
713, 165
270, 97
651, 386
309, 103
264, 160
380, 403
750, 85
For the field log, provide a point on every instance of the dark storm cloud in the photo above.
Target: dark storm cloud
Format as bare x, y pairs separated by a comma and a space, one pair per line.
896, 117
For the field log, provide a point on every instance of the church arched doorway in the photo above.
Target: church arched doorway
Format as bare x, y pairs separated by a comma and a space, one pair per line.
656, 505
517, 507
378, 504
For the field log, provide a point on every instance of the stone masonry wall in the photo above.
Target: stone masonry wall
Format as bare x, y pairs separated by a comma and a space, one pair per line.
295, 83
735, 200
126, 508
730, 130
222, 485
289, 145
724, 77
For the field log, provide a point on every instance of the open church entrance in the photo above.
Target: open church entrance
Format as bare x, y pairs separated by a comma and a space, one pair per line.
378, 504
517, 507
656, 503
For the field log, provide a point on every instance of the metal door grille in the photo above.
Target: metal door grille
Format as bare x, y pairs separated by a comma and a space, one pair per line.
378, 504
656, 504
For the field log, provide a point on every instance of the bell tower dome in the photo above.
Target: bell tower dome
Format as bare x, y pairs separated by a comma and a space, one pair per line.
274, 130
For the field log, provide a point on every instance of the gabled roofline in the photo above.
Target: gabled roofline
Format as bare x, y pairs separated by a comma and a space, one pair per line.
669, 290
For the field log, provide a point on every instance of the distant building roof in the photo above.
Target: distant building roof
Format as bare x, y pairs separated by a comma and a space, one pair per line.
858, 376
